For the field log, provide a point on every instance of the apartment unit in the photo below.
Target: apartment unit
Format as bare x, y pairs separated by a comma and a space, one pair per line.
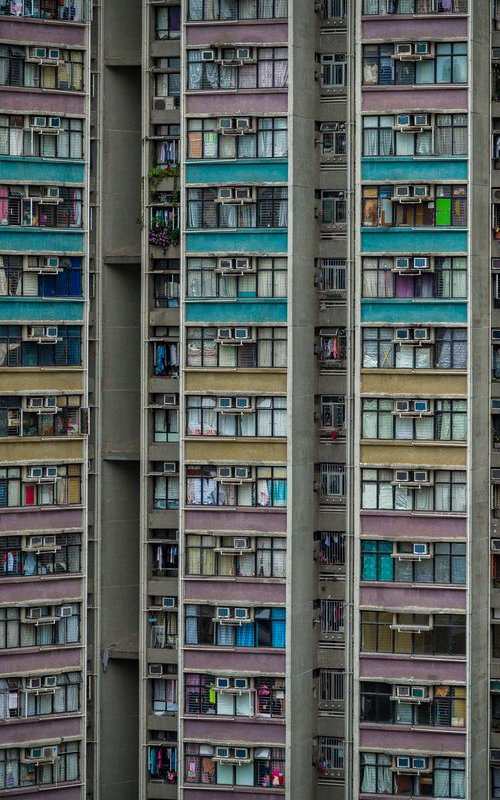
43, 396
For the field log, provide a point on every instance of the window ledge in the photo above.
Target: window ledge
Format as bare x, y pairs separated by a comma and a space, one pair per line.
385, 17
422, 658
38, 90
5, 580
391, 512
412, 86
213, 648
240, 22
399, 371
239, 509
402, 585
242, 439
395, 726
38, 21
246, 91
244, 579
18, 439
46, 649
45, 717
32, 369
38, 509
415, 442
256, 720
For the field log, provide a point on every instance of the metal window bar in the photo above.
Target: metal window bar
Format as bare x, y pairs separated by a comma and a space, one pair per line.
332, 275
334, 8
332, 480
332, 547
331, 685
331, 752
331, 616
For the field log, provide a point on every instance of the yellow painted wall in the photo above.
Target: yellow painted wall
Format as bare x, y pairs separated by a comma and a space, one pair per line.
39, 452
18, 380
240, 381
240, 452
395, 384
408, 455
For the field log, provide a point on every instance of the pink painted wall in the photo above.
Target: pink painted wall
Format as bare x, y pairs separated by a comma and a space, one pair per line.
71, 792
417, 27
42, 31
246, 101
43, 658
26, 589
239, 794
247, 661
384, 596
401, 668
397, 738
409, 98
234, 730
235, 590
244, 520
405, 526
17, 732
43, 101
41, 519
264, 32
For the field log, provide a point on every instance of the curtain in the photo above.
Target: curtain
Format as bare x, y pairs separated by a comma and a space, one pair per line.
245, 635
191, 624
278, 627
369, 760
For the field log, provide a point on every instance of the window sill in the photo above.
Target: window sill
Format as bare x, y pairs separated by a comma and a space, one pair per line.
402, 585
44, 717
38, 90
32, 369
38, 509
237, 91
46, 649
256, 720
395, 726
241, 579
414, 157
241, 439
26, 438
6, 580
38, 298
211, 648
439, 15
422, 658
239, 509
38, 21
412, 86
239, 22
415, 442
405, 371
409, 228
391, 512
239, 370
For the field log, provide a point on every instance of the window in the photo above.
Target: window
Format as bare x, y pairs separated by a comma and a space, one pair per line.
267, 629
267, 488
65, 74
448, 351
64, 10
166, 145
15, 772
334, 9
165, 559
167, 76
331, 616
269, 209
333, 208
332, 548
332, 414
207, 555
236, 9
415, 7
18, 421
164, 700
15, 351
265, 697
28, 206
446, 707
385, 561
268, 349
495, 776
445, 637
447, 280
168, 22
163, 630
266, 767
447, 207
332, 348
447, 493
269, 70
267, 279
17, 489
330, 752
446, 779
18, 558
448, 422
268, 140
165, 492
445, 136
448, 65
19, 136
162, 763
334, 138
333, 70
331, 276
18, 702
166, 290
165, 352
268, 417
332, 481
166, 425
331, 685
17, 632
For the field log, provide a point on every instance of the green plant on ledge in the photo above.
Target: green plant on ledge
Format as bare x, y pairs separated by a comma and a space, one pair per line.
157, 174
164, 236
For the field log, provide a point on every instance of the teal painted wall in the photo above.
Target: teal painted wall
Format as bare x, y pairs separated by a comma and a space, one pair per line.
241, 311
41, 240
251, 170
242, 240
37, 309
413, 311
408, 169
413, 240
32, 170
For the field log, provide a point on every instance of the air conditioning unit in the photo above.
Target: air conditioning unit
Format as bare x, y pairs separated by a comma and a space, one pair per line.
422, 120
421, 262
208, 55
403, 120
42, 332
244, 53
243, 124
243, 403
422, 48
225, 403
50, 541
241, 683
403, 691
241, 753
169, 400
402, 263
38, 122
33, 683
51, 194
421, 476
402, 191
242, 334
225, 264
403, 49
155, 670
34, 473
421, 191
222, 752
55, 123
49, 265
50, 472
495, 545
422, 406
225, 194
41, 753
240, 543
402, 476
226, 125
35, 613
241, 614
244, 194
50, 681
163, 103
169, 467
422, 334
225, 334
222, 683
34, 403
223, 612
169, 603
34, 542
412, 764
242, 473
244, 264
420, 549
403, 335
402, 406
64, 612
420, 692
224, 473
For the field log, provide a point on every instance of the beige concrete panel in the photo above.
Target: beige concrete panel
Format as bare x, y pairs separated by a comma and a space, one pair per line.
53, 380
400, 384
41, 450
414, 455
240, 452
259, 381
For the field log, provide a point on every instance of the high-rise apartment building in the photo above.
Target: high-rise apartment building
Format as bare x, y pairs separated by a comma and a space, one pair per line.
249, 321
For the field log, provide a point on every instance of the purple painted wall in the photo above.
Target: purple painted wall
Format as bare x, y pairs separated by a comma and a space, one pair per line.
401, 668
397, 738
240, 794
397, 98
235, 590
72, 792
44, 101
13, 733
417, 596
417, 27
235, 730
258, 521
254, 33
19, 30
246, 101
246, 661
406, 526
44, 658
39, 519
26, 589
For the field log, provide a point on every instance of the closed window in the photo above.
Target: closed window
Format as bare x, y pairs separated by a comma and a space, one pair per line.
165, 492
448, 422
448, 279
445, 206
445, 636
16, 773
267, 279
265, 556
58, 10
265, 697
446, 493
18, 559
268, 349
381, 351
333, 208
414, 6
445, 779
18, 489
65, 74
334, 138
268, 208
333, 70
448, 65
385, 561
266, 767
269, 70
445, 135
269, 139
227, 10
16, 631
168, 22
267, 629
32, 207
16, 351
268, 417
18, 702
266, 488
